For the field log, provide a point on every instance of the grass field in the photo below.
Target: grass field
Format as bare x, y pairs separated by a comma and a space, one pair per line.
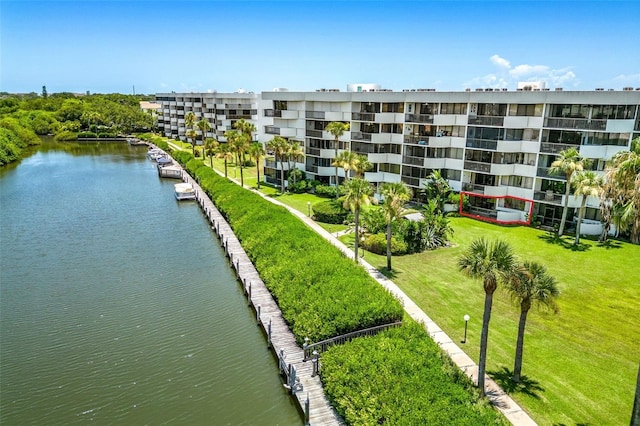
580, 365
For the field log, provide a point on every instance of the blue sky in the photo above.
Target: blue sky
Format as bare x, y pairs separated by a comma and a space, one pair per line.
161, 46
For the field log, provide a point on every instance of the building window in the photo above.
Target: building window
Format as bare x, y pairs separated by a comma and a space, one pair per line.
493, 110
525, 110
393, 107
448, 108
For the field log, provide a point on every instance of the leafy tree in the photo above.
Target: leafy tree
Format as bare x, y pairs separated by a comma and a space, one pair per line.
189, 123
239, 144
204, 126
257, 153
44, 92
362, 165
395, 194
224, 152
295, 152
280, 147
347, 160
247, 128
587, 184
621, 192
438, 189
210, 147
492, 262
569, 162
530, 285
337, 129
358, 193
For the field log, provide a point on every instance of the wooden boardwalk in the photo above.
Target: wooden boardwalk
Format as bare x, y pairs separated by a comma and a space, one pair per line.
303, 385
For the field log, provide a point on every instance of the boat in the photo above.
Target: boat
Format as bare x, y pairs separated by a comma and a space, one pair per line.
174, 172
155, 153
184, 191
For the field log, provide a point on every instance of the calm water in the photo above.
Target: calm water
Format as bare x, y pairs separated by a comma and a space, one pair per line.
117, 305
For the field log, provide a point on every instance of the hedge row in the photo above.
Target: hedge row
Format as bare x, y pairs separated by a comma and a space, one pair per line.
401, 377
320, 292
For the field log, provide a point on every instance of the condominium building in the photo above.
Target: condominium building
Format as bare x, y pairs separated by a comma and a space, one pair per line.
496, 144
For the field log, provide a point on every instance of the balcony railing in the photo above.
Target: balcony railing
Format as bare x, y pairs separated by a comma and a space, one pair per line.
418, 140
319, 115
237, 106
575, 123
414, 161
270, 164
363, 116
272, 113
313, 151
418, 118
311, 168
314, 133
472, 187
486, 120
359, 136
555, 148
411, 181
548, 196
477, 166
272, 130
482, 144
544, 172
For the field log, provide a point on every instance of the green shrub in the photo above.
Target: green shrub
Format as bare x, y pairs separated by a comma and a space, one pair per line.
106, 135
10, 147
87, 135
328, 191
66, 135
377, 243
330, 211
401, 377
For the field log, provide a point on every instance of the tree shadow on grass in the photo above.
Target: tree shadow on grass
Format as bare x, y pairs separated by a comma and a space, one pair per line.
390, 274
564, 242
526, 385
610, 244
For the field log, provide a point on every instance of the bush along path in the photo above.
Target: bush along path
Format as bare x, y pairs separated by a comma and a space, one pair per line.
322, 294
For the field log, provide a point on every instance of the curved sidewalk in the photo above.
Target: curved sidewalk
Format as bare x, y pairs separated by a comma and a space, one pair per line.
503, 402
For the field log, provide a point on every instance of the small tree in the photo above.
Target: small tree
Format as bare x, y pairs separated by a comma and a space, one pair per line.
358, 194
257, 153
569, 162
395, 196
587, 184
337, 129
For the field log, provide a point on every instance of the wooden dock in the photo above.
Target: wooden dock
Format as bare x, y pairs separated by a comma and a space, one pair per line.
300, 380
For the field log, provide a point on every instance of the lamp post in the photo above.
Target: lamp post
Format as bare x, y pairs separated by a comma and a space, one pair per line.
309, 208
466, 321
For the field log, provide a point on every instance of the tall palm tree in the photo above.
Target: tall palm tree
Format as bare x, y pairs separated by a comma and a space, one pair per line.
569, 162
294, 153
358, 194
209, 149
337, 129
204, 126
395, 194
247, 128
279, 146
224, 152
189, 123
587, 184
239, 144
348, 160
257, 153
492, 262
530, 285
437, 188
362, 165
621, 192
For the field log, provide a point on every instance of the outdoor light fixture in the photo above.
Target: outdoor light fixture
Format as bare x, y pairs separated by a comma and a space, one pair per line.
466, 321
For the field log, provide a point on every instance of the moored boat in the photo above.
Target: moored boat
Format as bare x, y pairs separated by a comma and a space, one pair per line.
184, 191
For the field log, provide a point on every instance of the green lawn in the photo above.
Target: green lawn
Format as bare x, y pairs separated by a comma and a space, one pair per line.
580, 365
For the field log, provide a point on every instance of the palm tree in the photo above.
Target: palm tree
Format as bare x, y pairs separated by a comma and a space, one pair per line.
569, 161
204, 126
257, 153
437, 188
337, 129
294, 153
279, 146
247, 128
621, 193
395, 194
209, 148
530, 285
587, 184
347, 160
492, 262
362, 165
358, 194
239, 144
189, 122
224, 152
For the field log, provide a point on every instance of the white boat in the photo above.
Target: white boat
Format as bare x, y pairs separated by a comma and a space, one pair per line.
155, 153
184, 191
174, 172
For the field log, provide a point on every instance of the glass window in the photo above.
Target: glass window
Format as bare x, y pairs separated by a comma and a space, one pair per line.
494, 110
448, 108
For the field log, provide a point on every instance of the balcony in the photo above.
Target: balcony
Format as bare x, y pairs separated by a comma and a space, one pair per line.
317, 115
418, 118
555, 148
237, 106
359, 136
314, 133
485, 120
415, 182
544, 172
272, 113
363, 116
272, 130
416, 140
413, 161
548, 196
312, 151
482, 144
472, 187
575, 123
477, 166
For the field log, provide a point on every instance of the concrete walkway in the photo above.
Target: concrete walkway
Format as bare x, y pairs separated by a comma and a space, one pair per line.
503, 402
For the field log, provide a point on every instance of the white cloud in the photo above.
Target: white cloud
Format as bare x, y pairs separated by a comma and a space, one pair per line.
509, 76
628, 78
501, 62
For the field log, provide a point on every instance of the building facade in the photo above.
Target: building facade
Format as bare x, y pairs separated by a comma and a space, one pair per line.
486, 142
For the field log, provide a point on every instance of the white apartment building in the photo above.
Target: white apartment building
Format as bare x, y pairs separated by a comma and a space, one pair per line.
493, 143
